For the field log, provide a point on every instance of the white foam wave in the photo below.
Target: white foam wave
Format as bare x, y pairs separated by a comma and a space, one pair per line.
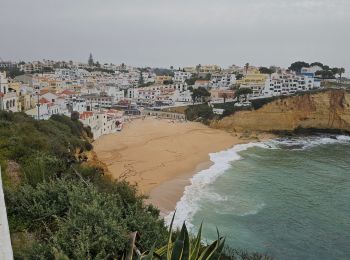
196, 191
306, 142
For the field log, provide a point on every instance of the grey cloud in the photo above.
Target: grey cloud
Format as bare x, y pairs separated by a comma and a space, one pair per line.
164, 33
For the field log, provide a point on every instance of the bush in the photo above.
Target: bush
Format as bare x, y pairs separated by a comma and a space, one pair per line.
201, 112
80, 220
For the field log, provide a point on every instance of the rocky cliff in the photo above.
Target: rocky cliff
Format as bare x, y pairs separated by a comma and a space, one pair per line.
328, 110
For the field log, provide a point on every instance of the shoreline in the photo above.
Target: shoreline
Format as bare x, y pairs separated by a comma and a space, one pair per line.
167, 195
161, 156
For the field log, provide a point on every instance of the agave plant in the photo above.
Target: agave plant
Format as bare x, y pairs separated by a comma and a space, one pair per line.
183, 248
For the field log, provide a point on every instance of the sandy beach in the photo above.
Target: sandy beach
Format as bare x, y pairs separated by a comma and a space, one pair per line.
160, 156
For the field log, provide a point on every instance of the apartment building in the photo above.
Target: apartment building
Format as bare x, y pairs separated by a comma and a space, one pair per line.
255, 81
222, 80
181, 76
288, 84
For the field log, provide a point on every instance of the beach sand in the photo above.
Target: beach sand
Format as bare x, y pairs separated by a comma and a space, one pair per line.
160, 156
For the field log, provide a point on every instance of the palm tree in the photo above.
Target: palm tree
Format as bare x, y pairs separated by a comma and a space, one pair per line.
340, 72
246, 66
224, 96
198, 68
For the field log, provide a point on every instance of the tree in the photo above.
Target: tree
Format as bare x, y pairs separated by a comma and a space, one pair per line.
168, 82
246, 67
316, 64
297, 66
243, 92
141, 80
191, 81
74, 116
91, 60
198, 68
325, 74
341, 72
200, 94
264, 70
224, 96
207, 76
239, 76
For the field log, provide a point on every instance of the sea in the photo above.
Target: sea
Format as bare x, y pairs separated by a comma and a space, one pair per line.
288, 197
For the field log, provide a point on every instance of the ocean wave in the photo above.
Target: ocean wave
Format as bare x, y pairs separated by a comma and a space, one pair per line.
306, 142
197, 190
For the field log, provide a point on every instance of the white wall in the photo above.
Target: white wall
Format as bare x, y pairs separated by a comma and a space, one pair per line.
5, 240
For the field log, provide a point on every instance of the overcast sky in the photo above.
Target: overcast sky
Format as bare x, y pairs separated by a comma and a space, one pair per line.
178, 32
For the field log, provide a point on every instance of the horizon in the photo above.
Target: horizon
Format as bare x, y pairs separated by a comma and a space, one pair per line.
165, 33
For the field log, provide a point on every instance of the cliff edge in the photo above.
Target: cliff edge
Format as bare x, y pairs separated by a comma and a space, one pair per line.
327, 110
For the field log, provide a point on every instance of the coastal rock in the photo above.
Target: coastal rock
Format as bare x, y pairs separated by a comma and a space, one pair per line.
328, 110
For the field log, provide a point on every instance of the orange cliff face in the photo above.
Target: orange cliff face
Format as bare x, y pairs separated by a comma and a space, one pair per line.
329, 110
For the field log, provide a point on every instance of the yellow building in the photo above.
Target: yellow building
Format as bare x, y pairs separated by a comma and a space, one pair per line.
161, 79
210, 68
254, 80
27, 102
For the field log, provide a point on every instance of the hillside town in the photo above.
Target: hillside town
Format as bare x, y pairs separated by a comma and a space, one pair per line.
102, 96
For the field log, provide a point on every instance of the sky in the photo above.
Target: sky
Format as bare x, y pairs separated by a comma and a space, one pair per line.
179, 32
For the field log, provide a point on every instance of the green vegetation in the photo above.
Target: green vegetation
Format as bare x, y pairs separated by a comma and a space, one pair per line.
243, 92
202, 112
200, 94
265, 70
61, 206
325, 73
163, 72
146, 84
58, 203
13, 72
191, 81
184, 247
92, 69
168, 82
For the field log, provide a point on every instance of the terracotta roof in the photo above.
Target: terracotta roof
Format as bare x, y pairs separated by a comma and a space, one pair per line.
43, 101
85, 114
67, 92
202, 81
44, 91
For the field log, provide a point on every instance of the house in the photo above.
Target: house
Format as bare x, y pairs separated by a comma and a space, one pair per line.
201, 83
221, 94
8, 97
102, 122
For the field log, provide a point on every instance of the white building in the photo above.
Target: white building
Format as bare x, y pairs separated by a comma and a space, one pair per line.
8, 97
222, 80
181, 76
116, 93
101, 123
288, 83
46, 110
